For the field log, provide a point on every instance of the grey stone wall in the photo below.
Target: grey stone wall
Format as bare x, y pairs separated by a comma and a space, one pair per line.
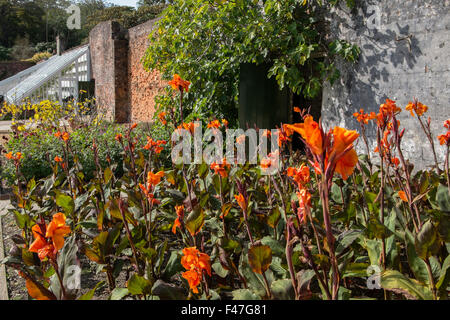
405, 53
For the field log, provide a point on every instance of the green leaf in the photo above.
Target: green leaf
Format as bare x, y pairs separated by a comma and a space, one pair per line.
118, 293
417, 265
69, 269
260, 258
88, 295
244, 294
139, 285
273, 217
66, 202
444, 278
373, 248
283, 289
194, 222
107, 174
166, 291
443, 198
173, 266
397, 282
219, 270
427, 241
275, 245
355, 270
345, 239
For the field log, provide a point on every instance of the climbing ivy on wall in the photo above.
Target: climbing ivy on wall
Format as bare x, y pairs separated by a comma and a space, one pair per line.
206, 41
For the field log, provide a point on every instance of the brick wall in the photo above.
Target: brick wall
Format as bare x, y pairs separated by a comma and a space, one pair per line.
122, 86
109, 50
405, 53
10, 68
143, 85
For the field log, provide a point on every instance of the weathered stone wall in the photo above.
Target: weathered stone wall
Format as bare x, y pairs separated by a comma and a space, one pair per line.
10, 68
405, 53
122, 86
109, 59
143, 85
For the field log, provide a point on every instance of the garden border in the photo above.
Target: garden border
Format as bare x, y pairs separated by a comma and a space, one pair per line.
3, 283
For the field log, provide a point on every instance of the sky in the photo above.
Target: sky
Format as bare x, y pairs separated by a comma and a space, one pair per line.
131, 3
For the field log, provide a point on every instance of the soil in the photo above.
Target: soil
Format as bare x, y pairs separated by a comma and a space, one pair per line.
89, 275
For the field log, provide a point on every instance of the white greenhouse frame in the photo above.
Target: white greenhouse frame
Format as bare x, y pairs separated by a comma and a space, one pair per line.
55, 79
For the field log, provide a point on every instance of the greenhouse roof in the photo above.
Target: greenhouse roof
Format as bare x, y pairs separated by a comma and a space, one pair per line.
41, 73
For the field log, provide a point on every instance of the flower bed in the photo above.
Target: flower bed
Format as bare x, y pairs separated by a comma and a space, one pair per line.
314, 229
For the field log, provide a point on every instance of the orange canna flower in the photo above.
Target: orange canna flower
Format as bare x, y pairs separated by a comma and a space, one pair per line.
241, 201
195, 262
389, 108
304, 201
155, 145
225, 122
189, 126
180, 216
57, 229
178, 83
267, 163
447, 124
40, 245
418, 108
402, 196
285, 128
58, 134
214, 124
297, 109
363, 117
118, 137
65, 136
342, 140
444, 139
133, 126
301, 176
162, 117
154, 178
283, 137
221, 168
395, 161
193, 278
240, 139
58, 159
16, 157
346, 164
194, 259
310, 132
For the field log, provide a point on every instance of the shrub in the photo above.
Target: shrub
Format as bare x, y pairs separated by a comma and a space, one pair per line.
199, 41
40, 56
39, 148
5, 53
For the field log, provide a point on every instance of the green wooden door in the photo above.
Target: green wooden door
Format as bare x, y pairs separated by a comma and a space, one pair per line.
261, 102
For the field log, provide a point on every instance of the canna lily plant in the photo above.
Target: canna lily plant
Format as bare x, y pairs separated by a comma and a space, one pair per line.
311, 230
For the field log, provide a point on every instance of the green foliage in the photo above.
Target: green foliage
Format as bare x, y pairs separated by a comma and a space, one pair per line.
201, 41
4, 53
41, 145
